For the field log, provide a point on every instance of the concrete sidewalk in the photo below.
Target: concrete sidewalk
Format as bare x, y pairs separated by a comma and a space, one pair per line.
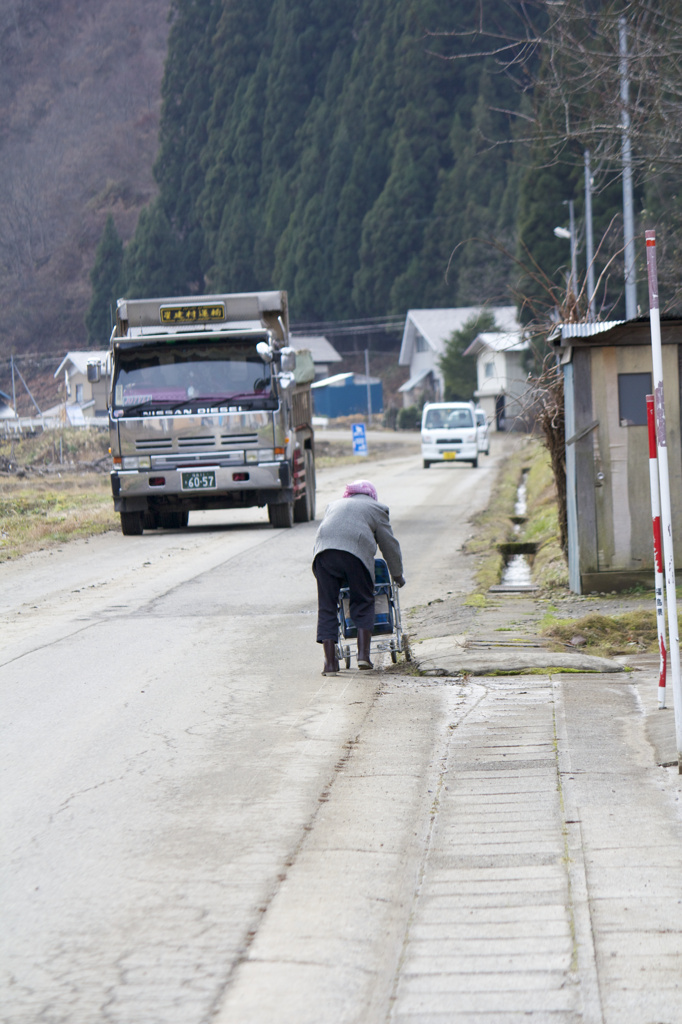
551, 887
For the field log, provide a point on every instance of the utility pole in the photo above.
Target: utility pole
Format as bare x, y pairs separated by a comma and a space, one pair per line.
628, 204
574, 248
369, 389
589, 241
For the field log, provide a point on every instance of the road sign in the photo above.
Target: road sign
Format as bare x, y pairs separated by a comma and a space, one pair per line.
359, 439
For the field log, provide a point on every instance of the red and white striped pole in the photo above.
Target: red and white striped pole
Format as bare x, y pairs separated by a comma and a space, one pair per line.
658, 549
664, 481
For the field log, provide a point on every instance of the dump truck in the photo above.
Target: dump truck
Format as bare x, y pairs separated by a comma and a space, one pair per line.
210, 408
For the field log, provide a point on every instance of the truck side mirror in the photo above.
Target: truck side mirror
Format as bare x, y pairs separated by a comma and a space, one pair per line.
264, 351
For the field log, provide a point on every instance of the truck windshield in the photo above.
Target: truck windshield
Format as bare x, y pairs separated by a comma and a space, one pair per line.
446, 418
176, 374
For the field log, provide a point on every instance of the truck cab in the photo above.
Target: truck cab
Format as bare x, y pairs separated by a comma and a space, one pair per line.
210, 408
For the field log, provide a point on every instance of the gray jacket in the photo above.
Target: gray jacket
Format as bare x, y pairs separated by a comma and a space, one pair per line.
357, 524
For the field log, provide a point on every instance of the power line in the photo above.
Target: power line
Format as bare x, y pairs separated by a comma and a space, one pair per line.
365, 325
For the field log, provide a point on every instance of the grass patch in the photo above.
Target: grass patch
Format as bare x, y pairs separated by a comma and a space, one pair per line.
71, 446
607, 635
52, 511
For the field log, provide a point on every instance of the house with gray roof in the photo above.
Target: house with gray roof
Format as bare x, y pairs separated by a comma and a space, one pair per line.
425, 336
85, 399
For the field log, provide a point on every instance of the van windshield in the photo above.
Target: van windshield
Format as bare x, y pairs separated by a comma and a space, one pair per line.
446, 418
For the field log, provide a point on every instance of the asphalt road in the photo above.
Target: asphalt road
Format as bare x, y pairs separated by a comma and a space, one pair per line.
171, 850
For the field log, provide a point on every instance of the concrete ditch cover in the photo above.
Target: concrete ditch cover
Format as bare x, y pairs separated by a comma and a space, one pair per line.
449, 656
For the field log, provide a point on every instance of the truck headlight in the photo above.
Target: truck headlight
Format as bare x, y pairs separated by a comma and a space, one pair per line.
267, 455
136, 462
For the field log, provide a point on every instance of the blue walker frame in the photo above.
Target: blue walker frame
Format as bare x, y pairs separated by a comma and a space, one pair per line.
387, 622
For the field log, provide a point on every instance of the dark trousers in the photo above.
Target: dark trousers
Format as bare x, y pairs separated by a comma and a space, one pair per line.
335, 569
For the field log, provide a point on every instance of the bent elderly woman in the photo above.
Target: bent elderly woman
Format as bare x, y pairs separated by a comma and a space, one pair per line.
343, 556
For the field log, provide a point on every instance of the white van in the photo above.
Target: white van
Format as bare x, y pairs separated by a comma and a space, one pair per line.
449, 433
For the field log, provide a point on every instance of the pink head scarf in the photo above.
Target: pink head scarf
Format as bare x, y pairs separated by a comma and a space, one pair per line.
360, 487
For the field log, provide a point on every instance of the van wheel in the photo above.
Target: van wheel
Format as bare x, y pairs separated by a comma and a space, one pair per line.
426, 463
474, 462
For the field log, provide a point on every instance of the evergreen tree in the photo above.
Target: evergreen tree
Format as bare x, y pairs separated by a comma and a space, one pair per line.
186, 95
320, 148
105, 279
153, 261
459, 371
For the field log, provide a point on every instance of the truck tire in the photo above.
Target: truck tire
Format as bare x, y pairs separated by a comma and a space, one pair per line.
149, 521
282, 515
304, 507
131, 523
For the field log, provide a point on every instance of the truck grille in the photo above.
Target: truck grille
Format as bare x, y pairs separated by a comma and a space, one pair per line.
150, 446
195, 442
154, 446
228, 439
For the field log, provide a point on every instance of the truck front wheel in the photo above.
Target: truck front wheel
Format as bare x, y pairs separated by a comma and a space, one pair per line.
131, 523
282, 515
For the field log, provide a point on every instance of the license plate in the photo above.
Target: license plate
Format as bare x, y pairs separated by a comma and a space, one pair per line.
449, 455
199, 480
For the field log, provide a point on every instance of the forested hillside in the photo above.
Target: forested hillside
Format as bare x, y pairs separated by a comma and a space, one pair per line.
79, 113
368, 156
334, 150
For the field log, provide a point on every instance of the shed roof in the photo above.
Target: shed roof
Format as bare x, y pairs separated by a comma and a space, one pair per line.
621, 332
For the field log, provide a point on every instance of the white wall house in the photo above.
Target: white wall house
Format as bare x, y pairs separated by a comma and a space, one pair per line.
425, 335
501, 375
84, 399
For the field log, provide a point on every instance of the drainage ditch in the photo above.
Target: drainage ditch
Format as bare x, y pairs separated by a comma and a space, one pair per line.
518, 555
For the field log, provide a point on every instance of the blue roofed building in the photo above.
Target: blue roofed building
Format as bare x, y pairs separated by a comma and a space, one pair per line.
346, 394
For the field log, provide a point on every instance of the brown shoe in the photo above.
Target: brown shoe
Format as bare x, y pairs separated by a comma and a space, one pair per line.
331, 662
364, 644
